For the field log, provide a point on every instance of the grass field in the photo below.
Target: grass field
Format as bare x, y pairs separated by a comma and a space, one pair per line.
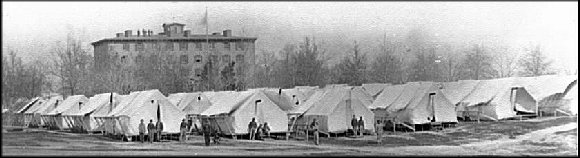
544, 136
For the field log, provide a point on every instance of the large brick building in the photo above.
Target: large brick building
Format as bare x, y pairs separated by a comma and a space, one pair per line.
180, 46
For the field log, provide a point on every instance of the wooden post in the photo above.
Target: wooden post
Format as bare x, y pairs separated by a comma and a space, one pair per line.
306, 134
394, 125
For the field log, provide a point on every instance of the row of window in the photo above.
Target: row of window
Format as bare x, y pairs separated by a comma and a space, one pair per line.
183, 46
198, 71
184, 59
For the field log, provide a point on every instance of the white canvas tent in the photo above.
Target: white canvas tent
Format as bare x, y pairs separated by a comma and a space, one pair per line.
54, 119
130, 112
548, 90
21, 120
34, 113
334, 109
231, 116
384, 100
195, 104
571, 101
457, 91
83, 119
498, 99
415, 103
105, 121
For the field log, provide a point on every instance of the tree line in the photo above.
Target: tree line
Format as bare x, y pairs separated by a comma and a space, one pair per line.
72, 70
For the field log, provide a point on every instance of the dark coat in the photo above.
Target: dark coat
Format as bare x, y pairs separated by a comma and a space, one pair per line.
151, 127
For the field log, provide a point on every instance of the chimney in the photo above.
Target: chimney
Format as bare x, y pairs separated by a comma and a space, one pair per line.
186, 33
128, 33
216, 33
138, 33
119, 34
227, 33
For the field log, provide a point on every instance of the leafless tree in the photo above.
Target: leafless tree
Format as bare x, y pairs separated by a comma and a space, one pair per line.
534, 63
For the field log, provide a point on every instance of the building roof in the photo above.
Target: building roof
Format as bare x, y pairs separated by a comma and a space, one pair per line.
174, 23
197, 37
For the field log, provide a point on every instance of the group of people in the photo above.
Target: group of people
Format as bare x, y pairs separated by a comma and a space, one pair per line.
358, 126
153, 130
256, 131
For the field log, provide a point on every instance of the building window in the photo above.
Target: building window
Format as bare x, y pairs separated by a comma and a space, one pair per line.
183, 59
226, 58
198, 72
182, 46
197, 58
212, 45
111, 48
239, 59
240, 46
156, 46
126, 47
169, 46
214, 58
124, 59
198, 46
227, 45
139, 47
175, 30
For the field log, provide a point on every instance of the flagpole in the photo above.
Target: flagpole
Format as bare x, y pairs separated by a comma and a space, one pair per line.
207, 39
206, 29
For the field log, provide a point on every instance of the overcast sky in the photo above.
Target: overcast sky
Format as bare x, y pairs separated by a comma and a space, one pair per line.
33, 27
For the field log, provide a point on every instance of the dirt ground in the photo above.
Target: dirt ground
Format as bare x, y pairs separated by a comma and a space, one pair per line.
544, 136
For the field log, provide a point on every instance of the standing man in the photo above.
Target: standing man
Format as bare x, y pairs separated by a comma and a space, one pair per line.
182, 130
151, 128
314, 127
159, 129
206, 128
253, 126
361, 126
142, 131
379, 129
354, 124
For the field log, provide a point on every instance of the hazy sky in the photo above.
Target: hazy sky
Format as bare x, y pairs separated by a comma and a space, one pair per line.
33, 27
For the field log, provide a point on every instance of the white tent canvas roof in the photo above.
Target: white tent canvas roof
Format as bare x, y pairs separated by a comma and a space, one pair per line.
240, 107
374, 89
140, 107
456, 91
29, 105
93, 104
334, 113
495, 97
542, 87
68, 103
360, 93
318, 94
389, 95
47, 105
196, 102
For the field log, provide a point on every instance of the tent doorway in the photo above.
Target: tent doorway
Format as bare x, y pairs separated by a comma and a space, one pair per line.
432, 105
